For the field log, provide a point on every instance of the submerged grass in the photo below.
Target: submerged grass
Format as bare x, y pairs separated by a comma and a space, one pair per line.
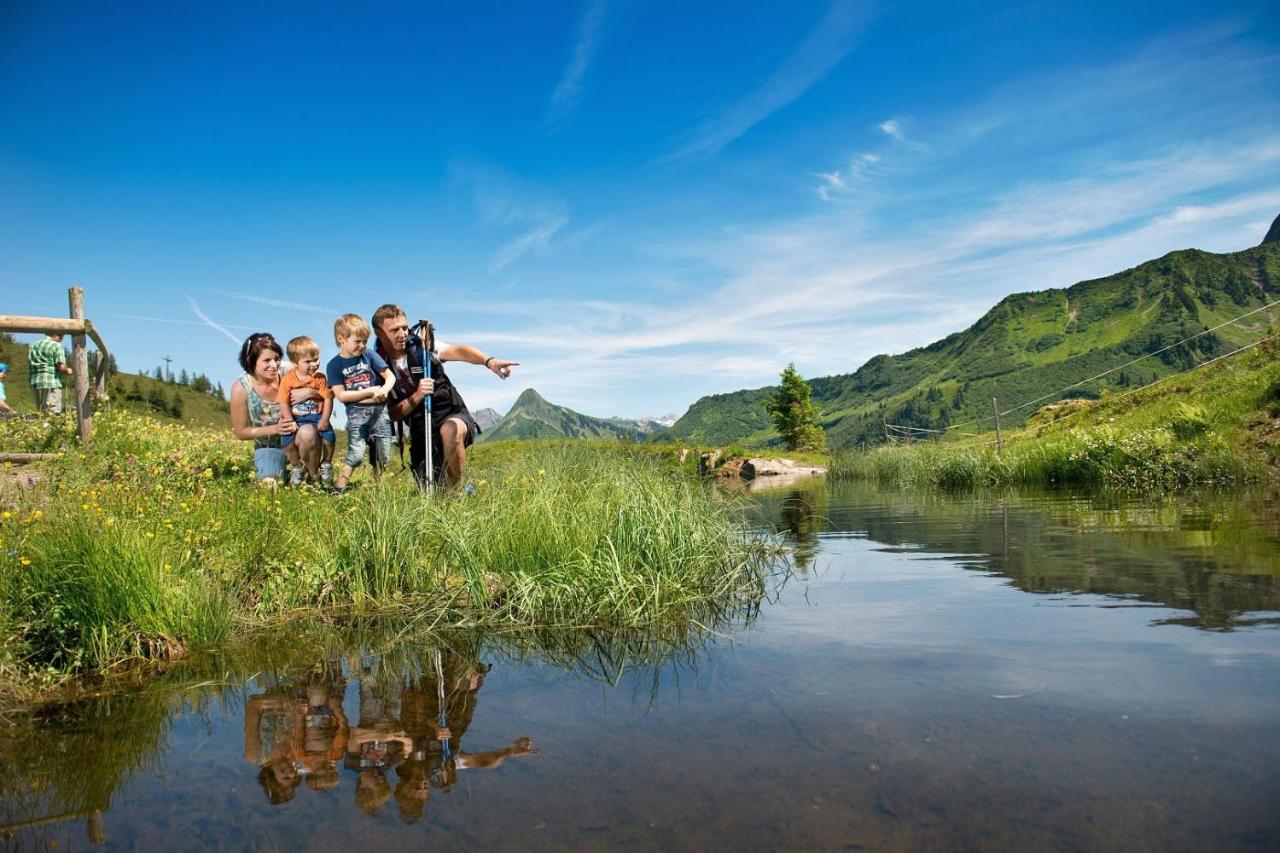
1214, 426
156, 541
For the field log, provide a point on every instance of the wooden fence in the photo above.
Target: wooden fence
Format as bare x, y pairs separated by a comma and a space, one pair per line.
80, 328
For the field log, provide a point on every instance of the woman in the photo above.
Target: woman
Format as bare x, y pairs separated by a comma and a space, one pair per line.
255, 412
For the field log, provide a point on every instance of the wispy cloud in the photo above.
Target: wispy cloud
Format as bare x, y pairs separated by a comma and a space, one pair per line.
507, 202
841, 180
174, 321
205, 320
567, 94
283, 303
828, 297
818, 52
891, 128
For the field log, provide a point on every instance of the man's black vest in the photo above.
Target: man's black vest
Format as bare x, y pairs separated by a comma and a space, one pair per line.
445, 400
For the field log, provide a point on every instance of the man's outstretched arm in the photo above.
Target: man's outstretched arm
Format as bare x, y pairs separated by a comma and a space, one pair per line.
465, 352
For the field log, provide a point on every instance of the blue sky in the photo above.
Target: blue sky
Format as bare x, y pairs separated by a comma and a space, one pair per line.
643, 202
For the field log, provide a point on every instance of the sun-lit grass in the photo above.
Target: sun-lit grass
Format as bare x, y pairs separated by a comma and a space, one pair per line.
156, 541
1214, 426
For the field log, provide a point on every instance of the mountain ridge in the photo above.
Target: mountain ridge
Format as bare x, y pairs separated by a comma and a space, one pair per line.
1029, 345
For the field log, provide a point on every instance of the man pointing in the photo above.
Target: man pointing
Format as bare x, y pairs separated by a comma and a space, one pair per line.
453, 429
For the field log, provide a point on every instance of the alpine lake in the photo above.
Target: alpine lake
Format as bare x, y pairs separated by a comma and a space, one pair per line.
995, 671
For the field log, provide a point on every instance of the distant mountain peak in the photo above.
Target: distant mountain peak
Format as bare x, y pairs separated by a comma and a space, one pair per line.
1273, 236
527, 397
533, 416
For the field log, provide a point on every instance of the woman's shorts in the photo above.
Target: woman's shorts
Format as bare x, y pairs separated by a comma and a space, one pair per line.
314, 420
368, 425
269, 462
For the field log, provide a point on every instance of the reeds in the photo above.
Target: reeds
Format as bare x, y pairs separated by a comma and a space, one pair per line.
157, 541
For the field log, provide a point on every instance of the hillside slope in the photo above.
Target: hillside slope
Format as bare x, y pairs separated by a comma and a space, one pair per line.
167, 401
532, 416
1030, 345
1218, 424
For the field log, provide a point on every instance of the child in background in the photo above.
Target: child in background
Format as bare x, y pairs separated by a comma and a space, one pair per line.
305, 355
5, 408
353, 375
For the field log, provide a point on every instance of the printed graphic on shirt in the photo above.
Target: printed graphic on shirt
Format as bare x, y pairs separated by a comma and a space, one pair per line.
356, 373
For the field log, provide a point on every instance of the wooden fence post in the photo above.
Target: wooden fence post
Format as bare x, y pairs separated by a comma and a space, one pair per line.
80, 368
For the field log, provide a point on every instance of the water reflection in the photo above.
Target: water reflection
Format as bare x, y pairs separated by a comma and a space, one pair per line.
1214, 555
296, 729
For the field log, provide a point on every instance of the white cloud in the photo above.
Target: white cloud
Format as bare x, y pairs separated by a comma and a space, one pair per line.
565, 98
818, 52
891, 128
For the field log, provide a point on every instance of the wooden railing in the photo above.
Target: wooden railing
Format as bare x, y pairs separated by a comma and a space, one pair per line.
80, 328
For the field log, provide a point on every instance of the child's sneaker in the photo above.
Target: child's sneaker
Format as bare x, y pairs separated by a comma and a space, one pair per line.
295, 475
326, 473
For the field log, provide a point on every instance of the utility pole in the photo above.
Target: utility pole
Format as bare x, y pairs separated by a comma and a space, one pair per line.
168, 371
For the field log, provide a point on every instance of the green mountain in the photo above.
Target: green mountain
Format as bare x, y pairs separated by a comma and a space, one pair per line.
534, 417
1030, 345
193, 403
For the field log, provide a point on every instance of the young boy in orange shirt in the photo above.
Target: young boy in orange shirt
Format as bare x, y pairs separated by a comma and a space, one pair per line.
305, 355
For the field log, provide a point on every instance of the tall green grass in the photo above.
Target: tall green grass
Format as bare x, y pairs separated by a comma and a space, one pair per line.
1210, 427
157, 541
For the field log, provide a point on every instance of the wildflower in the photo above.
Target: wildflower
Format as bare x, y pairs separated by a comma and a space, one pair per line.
24, 560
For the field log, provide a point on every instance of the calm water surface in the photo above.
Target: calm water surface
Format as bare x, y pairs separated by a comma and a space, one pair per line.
991, 672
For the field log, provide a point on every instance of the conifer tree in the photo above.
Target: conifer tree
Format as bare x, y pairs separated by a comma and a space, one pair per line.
795, 414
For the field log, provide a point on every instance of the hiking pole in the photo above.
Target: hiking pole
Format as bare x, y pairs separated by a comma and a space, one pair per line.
426, 342
440, 697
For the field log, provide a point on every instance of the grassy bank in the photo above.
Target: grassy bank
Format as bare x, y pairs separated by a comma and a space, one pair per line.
1212, 426
156, 541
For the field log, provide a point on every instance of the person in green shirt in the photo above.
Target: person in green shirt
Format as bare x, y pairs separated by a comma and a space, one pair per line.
47, 359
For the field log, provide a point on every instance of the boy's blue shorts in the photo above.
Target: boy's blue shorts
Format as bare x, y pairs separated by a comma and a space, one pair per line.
302, 420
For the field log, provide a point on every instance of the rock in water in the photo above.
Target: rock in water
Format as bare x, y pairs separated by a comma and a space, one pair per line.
752, 468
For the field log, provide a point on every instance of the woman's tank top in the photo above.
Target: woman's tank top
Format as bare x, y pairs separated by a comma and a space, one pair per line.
261, 413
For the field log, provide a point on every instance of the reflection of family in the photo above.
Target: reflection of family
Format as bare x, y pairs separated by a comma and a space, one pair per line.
296, 730
288, 417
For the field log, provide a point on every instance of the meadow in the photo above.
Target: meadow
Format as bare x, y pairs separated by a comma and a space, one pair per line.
155, 541
1214, 426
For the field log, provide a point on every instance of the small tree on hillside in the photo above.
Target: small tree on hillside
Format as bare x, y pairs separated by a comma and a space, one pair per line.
795, 414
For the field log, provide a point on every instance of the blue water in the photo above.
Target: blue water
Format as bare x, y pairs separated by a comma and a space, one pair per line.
985, 672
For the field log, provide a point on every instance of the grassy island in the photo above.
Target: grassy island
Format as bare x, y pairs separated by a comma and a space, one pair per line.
155, 541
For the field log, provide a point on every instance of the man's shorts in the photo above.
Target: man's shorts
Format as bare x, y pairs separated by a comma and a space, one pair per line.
417, 457
368, 425
314, 420
269, 462
48, 400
